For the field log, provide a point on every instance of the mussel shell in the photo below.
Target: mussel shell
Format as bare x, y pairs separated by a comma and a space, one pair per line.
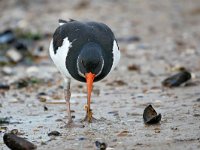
17, 143
177, 79
101, 145
150, 115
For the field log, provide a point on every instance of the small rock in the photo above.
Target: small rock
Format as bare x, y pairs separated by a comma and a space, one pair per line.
3, 129
14, 131
198, 100
28, 81
5, 120
21, 83
196, 115
101, 145
39, 52
117, 83
114, 113
7, 37
45, 108
4, 86
42, 96
17, 143
83, 4
157, 130
54, 133
133, 67
32, 70
14, 55
123, 133
13, 100
174, 128
43, 143
21, 45
129, 39
4, 61
81, 139
7, 71
150, 115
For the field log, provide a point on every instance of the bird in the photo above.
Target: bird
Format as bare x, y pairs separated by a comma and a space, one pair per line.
86, 52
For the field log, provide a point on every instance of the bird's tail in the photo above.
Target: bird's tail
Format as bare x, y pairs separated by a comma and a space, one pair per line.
61, 21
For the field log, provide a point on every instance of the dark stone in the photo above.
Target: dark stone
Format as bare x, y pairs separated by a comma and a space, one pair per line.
4, 86
7, 37
54, 133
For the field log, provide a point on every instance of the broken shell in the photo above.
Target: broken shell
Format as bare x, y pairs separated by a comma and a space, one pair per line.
17, 143
101, 146
177, 79
150, 116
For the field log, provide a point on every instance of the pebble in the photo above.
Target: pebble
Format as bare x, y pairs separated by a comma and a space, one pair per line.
54, 133
14, 55
4, 86
32, 70
7, 37
7, 70
5, 120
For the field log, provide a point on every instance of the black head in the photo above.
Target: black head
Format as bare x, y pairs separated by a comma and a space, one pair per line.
90, 59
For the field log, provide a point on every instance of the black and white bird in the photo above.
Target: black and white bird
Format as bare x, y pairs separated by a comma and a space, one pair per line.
84, 51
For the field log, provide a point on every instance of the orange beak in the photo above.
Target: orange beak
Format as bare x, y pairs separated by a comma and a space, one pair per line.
89, 79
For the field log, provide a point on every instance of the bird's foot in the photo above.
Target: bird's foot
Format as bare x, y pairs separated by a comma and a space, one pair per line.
72, 124
89, 118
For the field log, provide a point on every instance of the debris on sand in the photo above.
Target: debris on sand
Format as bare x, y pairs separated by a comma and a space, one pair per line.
7, 37
14, 55
177, 79
129, 39
5, 120
150, 116
54, 133
17, 143
117, 83
198, 100
4, 86
45, 108
133, 67
28, 81
17, 46
123, 133
101, 145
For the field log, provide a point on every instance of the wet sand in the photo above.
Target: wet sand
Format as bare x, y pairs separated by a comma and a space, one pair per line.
168, 38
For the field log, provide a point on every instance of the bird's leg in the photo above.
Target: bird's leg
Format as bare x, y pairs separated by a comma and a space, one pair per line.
67, 94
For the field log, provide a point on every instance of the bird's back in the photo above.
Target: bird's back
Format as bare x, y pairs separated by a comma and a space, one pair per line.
71, 36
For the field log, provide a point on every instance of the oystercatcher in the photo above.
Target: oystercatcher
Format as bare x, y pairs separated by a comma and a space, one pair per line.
84, 51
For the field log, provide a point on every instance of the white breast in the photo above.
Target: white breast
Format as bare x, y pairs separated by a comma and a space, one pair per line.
59, 58
116, 55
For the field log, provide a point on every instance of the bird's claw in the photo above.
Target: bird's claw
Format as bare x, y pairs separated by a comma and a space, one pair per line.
89, 118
